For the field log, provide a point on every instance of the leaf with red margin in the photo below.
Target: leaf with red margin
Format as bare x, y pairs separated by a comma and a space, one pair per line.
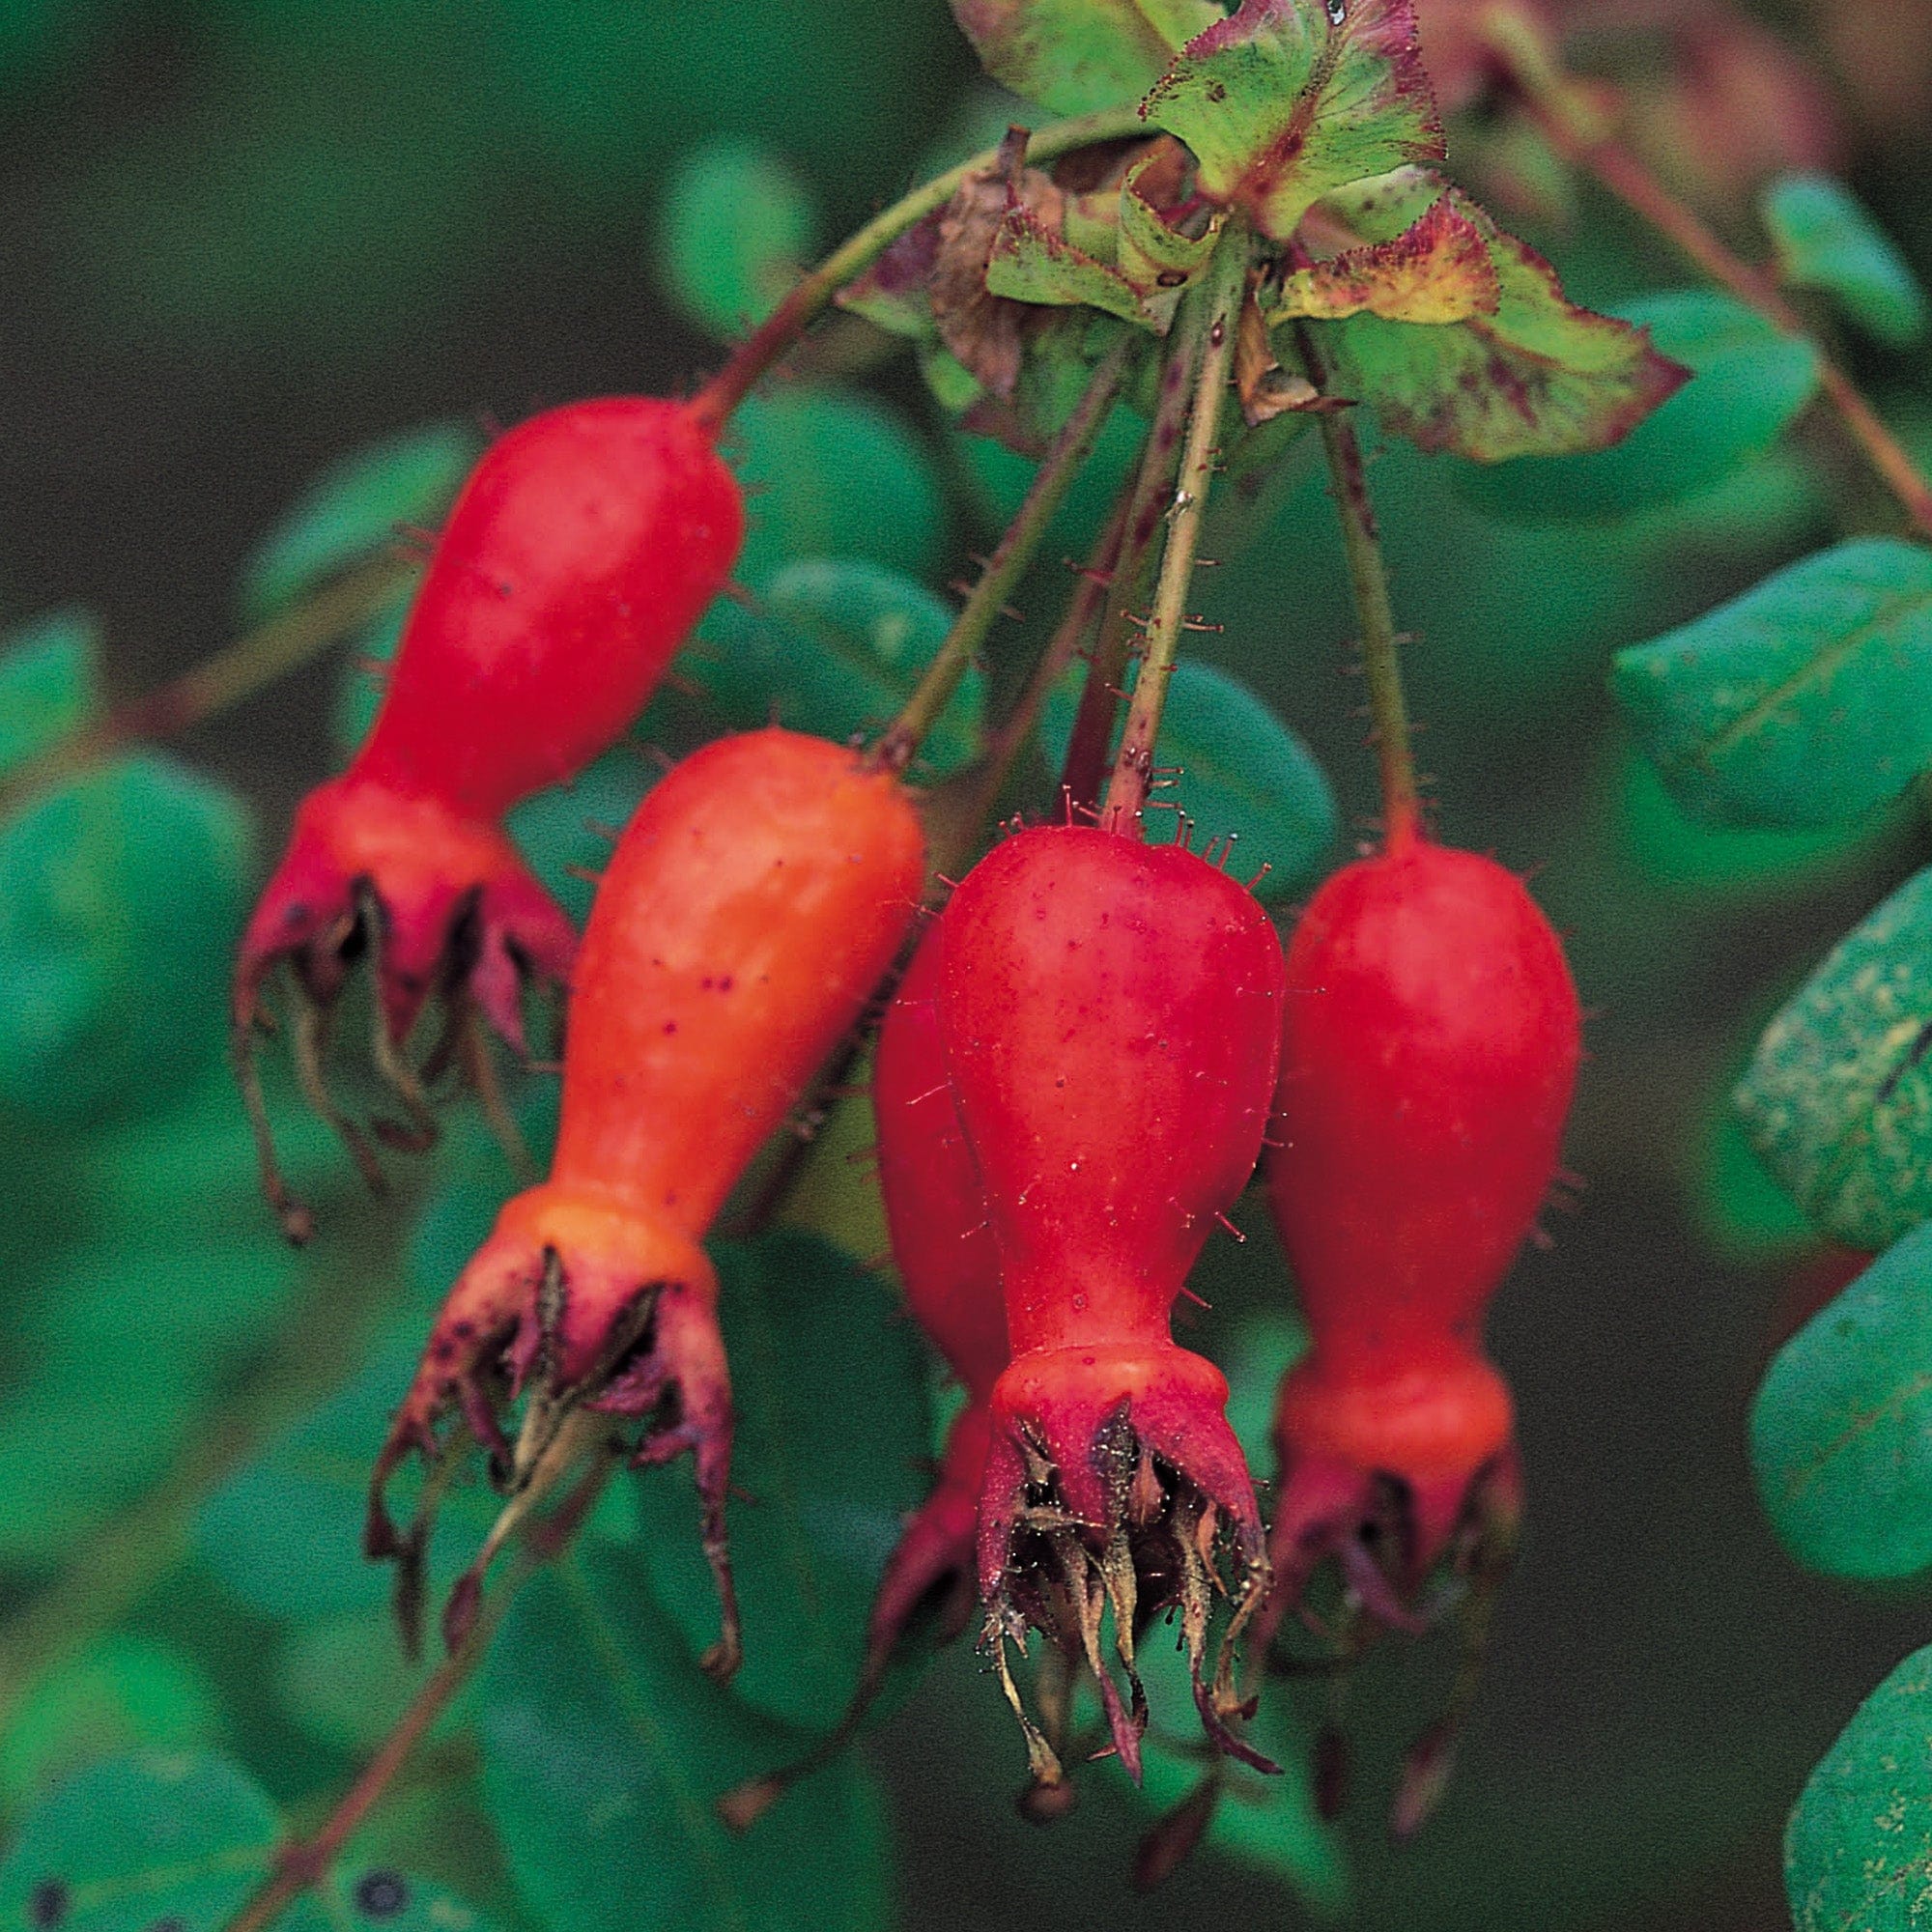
1537, 377
1437, 271
1288, 101
1073, 56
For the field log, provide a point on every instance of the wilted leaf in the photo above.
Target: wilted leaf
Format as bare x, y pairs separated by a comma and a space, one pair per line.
1532, 375
353, 511
1804, 702
828, 1382
605, 1750
1838, 1097
1859, 1842
1825, 240
1437, 271
1240, 771
121, 893
1073, 56
978, 327
736, 228
1288, 101
1748, 382
48, 687
1841, 1428
834, 647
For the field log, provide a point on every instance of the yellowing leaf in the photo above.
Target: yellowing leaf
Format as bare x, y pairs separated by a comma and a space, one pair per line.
1437, 271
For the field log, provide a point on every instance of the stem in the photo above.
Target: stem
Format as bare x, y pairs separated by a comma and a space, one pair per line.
1063, 462
1218, 303
1368, 578
304, 1863
284, 644
811, 296
1574, 129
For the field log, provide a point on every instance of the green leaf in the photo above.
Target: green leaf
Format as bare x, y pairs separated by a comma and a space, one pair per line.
735, 229
135, 1844
353, 510
1073, 56
123, 1694
605, 1749
570, 826
829, 1385
344, 1679
1526, 373
1031, 264
1838, 1097
1241, 771
834, 475
48, 683
834, 647
1825, 240
1748, 382
121, 893
1804, 702
1841, 1428
1286, 101
1859, 1845
359, 682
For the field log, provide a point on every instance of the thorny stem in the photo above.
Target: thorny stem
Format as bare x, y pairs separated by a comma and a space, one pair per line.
1220, 303
305, 1862
813, 292
1368, 578
284, 644
1063, 462
1577, 132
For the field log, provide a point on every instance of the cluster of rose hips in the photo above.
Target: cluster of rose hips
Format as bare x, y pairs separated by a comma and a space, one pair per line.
1089, 1049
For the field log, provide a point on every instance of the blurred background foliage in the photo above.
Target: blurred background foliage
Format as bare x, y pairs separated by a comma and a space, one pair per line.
253, 240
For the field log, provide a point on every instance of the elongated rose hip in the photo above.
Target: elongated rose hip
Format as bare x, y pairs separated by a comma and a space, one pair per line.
752, 906
1110, 1015
1431, 1041
582, 548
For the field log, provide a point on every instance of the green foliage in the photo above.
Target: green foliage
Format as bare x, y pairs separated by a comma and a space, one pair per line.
1859, 1842
831, 474
1241, 772
1804, 702
604, 1750
139, 1842
49, 685
1747, 383
1072, 56
836, 646
999, 477
829, 1384
735, 229
353, 512
1838, 1095
1825, 240
1841, 1429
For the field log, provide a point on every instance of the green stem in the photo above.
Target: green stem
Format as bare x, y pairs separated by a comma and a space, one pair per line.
1368, 578
812, 293
1219, 301
1063, 462
1573, 128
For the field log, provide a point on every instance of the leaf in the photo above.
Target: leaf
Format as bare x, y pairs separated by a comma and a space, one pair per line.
1825, 240
48, 683
135, 1844
605, 1749
1748, 382
1073, 56
344, 1678
1842, 1428
121, 893
1859, 1846
1286, 101
1031, 264
1838, 1099
122, 1694
829, 1386
834, 647
353, 509
1437, 271
1240, 771
1804, 702
735, 229
1533, 375
834, 475
359, 681
565, 831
